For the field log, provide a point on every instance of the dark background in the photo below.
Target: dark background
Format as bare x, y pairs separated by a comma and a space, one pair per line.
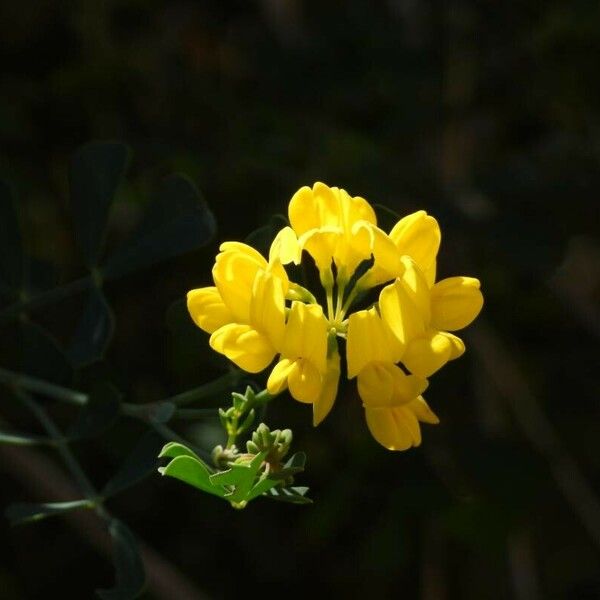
485, 114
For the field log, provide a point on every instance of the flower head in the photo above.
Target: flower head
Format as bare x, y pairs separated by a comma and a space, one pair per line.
255, 313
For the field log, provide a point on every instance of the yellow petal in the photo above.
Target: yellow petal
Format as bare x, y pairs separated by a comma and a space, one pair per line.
376, 384
207, 309
326, 399
285, 247
305, 382
422, 411
306, 335
369, 340
426, 354
418, 235
392, 428
243, 345
404, 318
324, 206
455, 302
277, 381
370, 240
322, 245
385, 384
267, 307
234, 272
416, 287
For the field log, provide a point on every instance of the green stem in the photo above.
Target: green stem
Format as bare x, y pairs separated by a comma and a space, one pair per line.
39, 386
18, 439
57, 293
62, 446
223, 383
256, 400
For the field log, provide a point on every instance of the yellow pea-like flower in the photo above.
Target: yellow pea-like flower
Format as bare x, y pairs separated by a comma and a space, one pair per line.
255, 313
303, 361
419, 316
388, 394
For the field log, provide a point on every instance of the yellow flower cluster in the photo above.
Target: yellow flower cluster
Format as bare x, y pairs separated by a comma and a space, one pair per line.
255, 313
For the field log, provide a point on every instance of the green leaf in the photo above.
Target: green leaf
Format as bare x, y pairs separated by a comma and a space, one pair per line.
94, 330
24, 512
175, 449
11, 254
96, 171
140, 463
194, 472
129, 568
177, 222
101, 410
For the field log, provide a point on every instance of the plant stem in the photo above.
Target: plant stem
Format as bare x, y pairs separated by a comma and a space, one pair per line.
63, 448
39, 386
221, 384
47, 297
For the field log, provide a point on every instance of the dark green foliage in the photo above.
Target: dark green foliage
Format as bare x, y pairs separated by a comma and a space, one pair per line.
137, 465
96, 172
94, 330
176, 222
130, 576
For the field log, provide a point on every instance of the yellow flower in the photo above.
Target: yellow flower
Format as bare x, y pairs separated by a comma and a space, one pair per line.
255, 313
303, 361
245, 312
420, 316
392, 400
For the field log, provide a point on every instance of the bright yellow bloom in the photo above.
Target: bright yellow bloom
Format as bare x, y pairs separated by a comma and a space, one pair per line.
420, 316
254, 313
392, 400
303, 361
245, 312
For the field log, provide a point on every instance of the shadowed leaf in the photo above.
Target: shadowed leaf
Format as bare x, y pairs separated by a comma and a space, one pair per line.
96, 171
129, 568
177, 222
140, 463
94, 330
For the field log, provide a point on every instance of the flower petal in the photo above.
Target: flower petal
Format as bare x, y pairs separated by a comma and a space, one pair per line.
428, 353
277, 381
306, 335
369, 340
418, 235
326, 399
389, 429
455, 302
401, 314
305, 382
422, 411
243, 345
267, 307
207, 309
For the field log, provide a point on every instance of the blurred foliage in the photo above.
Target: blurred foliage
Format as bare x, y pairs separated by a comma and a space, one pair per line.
486, 115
